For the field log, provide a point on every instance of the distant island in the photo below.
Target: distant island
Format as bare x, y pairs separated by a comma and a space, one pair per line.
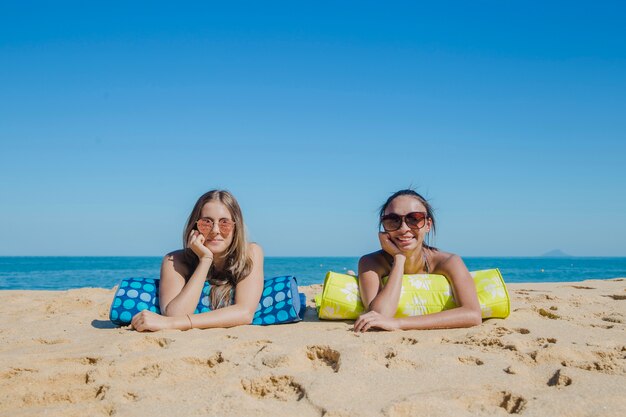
556, 253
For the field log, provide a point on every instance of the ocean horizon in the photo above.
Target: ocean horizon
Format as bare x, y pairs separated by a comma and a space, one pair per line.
68, 272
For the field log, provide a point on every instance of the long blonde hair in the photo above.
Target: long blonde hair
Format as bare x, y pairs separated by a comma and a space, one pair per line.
237, 262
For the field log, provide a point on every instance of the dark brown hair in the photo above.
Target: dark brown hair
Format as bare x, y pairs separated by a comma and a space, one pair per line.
429, 212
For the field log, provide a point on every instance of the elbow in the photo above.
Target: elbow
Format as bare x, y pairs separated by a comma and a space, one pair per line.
166, 312
381, 309
246, 317
474, 318
171, 311
174, 311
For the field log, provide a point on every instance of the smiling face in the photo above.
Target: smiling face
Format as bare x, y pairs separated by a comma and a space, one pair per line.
405, 238
217, 240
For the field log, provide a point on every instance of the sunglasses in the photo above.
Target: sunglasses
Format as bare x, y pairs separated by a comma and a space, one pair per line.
205, 225
414, 220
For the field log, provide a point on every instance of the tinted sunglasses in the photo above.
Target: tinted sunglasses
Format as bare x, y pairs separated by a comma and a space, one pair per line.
414, 220
205, 225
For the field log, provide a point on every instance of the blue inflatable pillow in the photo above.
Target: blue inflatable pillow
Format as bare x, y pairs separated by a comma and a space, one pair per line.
280, 303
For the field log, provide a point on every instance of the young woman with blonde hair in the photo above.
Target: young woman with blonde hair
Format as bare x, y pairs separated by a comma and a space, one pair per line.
215, 250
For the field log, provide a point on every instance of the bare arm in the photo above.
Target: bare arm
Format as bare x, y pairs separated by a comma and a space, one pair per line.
177, 297
466, 314
385, 300
247, 295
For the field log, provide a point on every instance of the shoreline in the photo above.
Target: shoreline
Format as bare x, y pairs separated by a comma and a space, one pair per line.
300, 286
561, 351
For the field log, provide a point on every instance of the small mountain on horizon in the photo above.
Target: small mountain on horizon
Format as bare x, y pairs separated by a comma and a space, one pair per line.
556, 253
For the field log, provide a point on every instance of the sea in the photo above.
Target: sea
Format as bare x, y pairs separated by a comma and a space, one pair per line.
63, 273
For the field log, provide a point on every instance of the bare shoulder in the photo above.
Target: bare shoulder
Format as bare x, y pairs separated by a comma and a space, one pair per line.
175, 256
445, 263
176, 260
376, 262
255, 250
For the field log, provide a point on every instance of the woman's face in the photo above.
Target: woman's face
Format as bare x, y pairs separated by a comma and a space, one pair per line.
404, 238
217, 240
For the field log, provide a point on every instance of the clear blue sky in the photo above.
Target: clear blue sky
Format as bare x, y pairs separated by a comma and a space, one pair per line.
510, 116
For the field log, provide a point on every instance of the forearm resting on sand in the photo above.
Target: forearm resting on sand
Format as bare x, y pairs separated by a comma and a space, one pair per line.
454, 318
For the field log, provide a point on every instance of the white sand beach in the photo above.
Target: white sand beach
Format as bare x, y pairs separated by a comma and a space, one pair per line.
560, 353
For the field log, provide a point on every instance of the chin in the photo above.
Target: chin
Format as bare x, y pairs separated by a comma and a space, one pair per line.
217, 249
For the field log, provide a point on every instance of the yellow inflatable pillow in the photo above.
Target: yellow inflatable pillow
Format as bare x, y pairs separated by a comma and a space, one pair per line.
421, 294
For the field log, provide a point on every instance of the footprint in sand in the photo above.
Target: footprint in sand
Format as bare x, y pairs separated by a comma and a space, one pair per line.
393, 361
501, 331
470, 360
211, 362
262, 343
545, 341
616, 296
64, 388
511, 370
276, 360
513, 404
151, 371
131, 396
162, 342
16, 372
87, 360
323, 356
608, 362
602, 326
408, 341
281, 387
51, 341
559, 380
545, 313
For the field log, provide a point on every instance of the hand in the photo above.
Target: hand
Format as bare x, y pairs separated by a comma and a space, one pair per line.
147, 321
387, 245
196, 244
375, 320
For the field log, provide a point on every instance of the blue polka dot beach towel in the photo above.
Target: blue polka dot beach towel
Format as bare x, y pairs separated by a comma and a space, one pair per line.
280, 303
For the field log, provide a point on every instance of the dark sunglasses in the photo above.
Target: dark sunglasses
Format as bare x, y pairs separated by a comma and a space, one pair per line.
205, 225
414, 220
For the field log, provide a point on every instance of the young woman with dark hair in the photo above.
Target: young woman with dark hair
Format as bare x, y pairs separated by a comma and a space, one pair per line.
405, 223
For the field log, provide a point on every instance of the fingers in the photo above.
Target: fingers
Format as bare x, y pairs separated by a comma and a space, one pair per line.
368, 325
192, 237
386, 244
138, 322
364, 322
364, 325
383, 237
196, 239
357, 325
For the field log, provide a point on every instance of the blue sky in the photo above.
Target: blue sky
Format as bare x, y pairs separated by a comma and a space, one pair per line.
508, 116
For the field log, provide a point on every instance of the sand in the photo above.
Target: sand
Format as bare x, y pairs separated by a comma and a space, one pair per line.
560, 353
